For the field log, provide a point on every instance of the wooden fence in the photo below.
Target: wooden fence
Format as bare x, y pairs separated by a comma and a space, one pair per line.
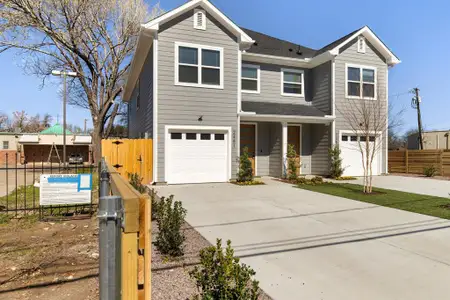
136, 239
414, 161
130, 156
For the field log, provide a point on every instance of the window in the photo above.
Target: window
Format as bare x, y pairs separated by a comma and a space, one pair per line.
198, 66
292, 83
191, 136
175, 136
205, 136
199, 19
363, 138
5, 145
372, 138
354, 138
361, 82
344, 138
138, 94
250, 78
219, 136
361, 45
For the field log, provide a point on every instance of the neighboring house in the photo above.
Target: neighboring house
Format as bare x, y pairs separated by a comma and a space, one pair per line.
48, 144
438, 139
9, 147
203, 88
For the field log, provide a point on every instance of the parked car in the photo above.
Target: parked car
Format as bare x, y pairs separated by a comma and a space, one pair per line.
76, 159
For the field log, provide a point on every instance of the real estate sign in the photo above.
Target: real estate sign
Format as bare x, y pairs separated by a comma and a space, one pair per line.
57, 189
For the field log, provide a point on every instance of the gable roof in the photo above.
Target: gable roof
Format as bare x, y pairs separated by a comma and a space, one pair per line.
337, 42
210, 8
266, 44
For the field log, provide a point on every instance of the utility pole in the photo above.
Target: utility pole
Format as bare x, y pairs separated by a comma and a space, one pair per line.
416, 105
64, 74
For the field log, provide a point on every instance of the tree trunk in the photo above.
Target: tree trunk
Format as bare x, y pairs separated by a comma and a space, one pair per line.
97, 142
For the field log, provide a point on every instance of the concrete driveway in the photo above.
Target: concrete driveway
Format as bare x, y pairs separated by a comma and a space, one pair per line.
418, 185
305, 245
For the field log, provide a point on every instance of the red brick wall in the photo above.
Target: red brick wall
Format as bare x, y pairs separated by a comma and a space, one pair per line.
11, 157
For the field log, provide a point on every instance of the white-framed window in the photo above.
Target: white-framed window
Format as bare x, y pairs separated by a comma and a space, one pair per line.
361, 82
5, 145
361, 44
199, 19
138, 94
292, 83
198, 65
250, 78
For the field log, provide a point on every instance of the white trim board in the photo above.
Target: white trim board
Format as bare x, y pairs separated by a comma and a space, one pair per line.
155, 108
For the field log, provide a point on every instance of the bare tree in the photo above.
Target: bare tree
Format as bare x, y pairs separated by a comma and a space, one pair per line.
368, 120
395, 124
94, 38
4, 122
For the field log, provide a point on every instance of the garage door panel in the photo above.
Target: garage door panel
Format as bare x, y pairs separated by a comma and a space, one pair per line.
352, 160
203, 159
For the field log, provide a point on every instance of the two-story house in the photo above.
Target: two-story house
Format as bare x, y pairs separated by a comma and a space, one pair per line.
204, 88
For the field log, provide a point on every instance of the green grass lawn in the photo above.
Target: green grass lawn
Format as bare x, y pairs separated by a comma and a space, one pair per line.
423, 204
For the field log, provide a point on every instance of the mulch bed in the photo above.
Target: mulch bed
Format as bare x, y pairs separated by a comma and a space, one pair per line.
170, 277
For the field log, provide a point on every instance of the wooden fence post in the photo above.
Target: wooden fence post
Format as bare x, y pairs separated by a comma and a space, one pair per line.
407, 161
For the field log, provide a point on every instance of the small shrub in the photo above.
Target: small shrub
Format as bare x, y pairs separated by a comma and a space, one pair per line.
336, 169
430, 171
317, 180
136, 181
292, 163
245, 167
302, 180
346, 178
221, 276
170, 217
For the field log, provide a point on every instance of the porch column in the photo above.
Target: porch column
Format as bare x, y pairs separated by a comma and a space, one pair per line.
284, 146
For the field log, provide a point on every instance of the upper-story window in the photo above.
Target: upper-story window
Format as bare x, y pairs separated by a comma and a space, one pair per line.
138, 94
361, 82
5, 145
250, 78
292, 83
198, 66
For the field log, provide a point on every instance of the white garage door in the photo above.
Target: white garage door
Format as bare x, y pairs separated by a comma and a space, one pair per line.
196, 156
351, 155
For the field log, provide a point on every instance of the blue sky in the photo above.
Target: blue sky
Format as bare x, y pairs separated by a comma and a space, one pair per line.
417, 32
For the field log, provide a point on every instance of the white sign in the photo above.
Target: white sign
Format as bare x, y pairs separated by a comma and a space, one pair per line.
56, 189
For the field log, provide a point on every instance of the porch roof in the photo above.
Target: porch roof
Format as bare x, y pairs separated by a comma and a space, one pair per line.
265, 111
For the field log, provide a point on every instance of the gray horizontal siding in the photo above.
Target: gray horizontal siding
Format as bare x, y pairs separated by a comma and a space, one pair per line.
179, 105
372, 58
321, 87
320, 143
270, 86
275, 150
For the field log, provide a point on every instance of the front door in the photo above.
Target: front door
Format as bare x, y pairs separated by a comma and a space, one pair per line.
294, 139
248, 139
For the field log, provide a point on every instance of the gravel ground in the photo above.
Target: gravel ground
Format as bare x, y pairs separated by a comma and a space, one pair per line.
170, 278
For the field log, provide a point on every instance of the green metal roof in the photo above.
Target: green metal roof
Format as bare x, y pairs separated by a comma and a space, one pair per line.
55, 129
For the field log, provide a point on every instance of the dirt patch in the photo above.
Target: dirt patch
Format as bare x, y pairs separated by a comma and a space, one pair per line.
445, 206
45, 260
170, 278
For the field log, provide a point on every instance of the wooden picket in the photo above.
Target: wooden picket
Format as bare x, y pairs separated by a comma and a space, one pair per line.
414, 161
130, 156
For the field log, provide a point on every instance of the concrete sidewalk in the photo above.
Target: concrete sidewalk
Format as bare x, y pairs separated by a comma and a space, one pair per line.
417, 185
305, 245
